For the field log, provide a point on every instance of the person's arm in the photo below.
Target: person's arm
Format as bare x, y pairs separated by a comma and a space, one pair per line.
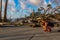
46, 24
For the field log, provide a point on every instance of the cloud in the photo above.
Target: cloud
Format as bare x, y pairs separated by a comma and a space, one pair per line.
22, 3
56, 2
29, 11
11, 9
34, 2
11, 5
50, 2
37, 2
11, 2
23, 6
45, 5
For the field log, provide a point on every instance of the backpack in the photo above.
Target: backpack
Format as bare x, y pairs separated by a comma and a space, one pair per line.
50, 24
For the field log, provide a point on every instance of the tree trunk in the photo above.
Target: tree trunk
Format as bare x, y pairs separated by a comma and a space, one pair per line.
0, 9
5, 11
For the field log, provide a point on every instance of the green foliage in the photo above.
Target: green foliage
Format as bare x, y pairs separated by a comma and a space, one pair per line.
49, 5
39, 9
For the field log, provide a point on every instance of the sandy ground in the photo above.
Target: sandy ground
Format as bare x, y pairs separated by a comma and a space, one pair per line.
28, 33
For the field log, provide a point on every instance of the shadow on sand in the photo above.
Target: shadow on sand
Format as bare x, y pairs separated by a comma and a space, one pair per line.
58, 30
3, 26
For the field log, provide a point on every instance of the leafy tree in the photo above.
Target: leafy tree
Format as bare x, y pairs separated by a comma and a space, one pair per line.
49, 5
56, 2
33, 14
39, 9
57, 9
42, 8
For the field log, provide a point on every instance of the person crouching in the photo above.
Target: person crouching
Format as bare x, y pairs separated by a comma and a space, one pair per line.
45, 26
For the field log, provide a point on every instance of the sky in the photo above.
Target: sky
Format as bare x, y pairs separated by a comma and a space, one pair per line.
20, 8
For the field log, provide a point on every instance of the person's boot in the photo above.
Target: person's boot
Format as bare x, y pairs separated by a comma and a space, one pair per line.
45, 30
49, 30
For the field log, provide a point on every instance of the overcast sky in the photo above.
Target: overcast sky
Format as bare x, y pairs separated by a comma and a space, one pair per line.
20, 8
